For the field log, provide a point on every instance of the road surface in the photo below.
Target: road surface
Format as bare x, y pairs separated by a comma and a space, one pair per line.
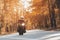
33, 35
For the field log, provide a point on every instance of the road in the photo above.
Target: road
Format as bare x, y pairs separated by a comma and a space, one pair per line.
33, 35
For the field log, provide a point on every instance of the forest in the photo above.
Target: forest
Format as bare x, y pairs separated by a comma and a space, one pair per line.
38, 14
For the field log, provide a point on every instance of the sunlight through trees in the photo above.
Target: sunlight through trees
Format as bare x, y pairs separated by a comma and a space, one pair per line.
36, 13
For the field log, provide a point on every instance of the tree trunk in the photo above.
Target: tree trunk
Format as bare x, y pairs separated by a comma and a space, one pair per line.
53, 20
51, 7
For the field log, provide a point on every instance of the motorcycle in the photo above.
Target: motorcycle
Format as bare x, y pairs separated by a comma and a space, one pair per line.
21, 28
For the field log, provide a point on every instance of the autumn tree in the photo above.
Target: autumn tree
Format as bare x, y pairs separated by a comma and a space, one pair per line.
51, 5
57, 2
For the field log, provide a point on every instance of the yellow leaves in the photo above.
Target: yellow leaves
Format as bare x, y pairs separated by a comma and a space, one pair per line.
14, 6
40, 7
40, 10
36, 1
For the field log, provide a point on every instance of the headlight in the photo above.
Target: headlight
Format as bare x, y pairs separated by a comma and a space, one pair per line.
23, 24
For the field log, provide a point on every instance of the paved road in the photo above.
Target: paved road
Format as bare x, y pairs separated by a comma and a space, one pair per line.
33, 35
